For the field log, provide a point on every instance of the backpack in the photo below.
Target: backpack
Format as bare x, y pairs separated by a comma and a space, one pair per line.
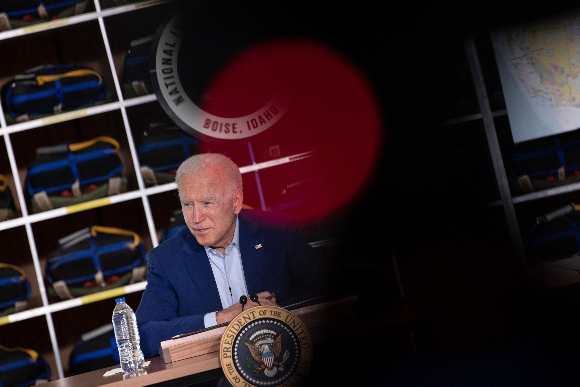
51, 89
545, 163
69, 174
176, 223
14, 289
7, 207
555, 235
95, 350
95, 259
21, 13
161, 148
20, 367
136, 76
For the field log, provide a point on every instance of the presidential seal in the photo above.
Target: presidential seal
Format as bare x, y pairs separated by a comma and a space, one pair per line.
266, 346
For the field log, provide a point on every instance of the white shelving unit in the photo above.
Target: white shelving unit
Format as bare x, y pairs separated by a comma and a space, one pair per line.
98, 38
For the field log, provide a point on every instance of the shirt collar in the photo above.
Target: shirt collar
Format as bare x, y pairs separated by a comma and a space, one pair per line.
236, 240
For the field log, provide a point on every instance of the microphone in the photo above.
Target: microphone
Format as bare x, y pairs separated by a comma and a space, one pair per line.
243, 301
254, 297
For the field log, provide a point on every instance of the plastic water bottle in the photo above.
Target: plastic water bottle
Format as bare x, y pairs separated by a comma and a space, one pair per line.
127, 337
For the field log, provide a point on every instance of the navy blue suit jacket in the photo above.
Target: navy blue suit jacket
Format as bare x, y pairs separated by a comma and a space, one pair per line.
181, 288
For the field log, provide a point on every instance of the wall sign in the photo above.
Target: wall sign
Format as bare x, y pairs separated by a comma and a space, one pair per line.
178, 91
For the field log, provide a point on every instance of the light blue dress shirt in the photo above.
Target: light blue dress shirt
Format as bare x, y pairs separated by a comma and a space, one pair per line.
229, 275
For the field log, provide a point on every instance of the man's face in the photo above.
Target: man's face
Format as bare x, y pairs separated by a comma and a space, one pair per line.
208, 213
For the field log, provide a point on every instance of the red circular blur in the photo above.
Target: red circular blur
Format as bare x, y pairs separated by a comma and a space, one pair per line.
333, 112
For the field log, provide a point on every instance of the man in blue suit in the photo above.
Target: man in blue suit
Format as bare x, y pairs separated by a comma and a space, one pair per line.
226, 254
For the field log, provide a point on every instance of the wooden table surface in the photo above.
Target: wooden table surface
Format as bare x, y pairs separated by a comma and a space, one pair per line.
157, 371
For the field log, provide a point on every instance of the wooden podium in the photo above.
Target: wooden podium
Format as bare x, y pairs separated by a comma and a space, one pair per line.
324, 321
189, 359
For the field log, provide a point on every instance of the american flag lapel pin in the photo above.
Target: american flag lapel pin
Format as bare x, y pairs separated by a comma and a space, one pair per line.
258, 246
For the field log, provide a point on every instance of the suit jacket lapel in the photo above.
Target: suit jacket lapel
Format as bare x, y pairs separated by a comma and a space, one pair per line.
196, 264
252, 251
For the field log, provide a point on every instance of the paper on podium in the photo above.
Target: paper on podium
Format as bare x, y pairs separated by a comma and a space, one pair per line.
323, 320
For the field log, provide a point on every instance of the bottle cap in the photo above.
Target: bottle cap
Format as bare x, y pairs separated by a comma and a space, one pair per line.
119, 299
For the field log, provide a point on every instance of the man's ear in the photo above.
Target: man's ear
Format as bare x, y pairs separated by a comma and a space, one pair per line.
238, 200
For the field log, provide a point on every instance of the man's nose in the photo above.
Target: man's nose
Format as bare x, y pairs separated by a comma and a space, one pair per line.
197, 215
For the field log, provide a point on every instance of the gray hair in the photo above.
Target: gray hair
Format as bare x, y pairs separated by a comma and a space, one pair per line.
222, 165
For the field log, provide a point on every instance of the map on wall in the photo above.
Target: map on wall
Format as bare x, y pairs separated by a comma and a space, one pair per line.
539, 68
